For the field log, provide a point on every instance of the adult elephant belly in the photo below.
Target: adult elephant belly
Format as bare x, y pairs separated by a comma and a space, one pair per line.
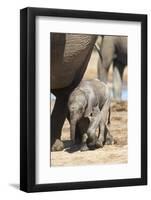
72, 60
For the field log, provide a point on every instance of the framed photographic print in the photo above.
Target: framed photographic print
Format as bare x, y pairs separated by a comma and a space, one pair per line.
83, 99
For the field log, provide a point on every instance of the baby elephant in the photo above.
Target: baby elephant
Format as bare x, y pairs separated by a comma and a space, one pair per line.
89, 108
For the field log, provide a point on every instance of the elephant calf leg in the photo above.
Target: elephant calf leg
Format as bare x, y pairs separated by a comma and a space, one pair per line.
104, 117
84, 146
100, 140
109, 138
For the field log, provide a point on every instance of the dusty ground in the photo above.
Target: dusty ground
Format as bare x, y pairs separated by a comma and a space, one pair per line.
109, 154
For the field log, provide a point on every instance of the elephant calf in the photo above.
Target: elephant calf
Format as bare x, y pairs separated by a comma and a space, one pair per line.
89, 108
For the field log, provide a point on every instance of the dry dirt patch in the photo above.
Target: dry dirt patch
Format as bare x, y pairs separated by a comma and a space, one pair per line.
109, 154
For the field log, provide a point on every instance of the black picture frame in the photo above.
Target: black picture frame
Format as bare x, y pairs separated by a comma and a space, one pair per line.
28, 98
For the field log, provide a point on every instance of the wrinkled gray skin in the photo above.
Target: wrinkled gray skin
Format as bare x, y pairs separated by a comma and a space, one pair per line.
70, 54
90, 102
113, 49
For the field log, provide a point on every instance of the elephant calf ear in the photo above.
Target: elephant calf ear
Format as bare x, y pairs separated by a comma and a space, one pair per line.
91, 102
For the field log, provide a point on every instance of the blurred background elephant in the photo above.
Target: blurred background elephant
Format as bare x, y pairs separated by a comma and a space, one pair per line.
70, 54
112, 50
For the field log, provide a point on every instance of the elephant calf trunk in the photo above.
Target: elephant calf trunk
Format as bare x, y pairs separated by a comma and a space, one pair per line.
91, 140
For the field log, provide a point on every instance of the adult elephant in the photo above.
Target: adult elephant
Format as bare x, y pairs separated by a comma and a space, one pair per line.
70, 54
113, 49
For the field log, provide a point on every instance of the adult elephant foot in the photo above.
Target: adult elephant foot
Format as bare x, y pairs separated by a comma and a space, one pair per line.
58, 145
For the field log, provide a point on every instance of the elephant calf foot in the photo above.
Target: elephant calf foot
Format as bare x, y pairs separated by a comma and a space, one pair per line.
99, 144
84, 148
91, 142
57, 146
92, 146
110, 141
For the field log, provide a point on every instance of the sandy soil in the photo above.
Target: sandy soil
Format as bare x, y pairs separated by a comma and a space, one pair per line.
109, 154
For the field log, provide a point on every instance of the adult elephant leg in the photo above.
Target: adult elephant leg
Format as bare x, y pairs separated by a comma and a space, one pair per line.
102, 72
58, 117
117, 83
